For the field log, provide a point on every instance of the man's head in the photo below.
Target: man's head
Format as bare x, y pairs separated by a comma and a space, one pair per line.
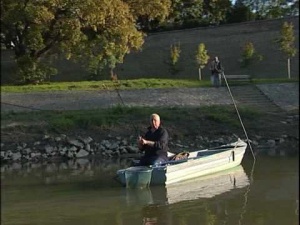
155, 120
216, 58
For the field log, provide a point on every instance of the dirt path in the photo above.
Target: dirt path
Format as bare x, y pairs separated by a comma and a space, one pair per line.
285, 96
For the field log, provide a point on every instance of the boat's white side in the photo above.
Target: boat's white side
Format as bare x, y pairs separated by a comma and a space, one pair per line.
200, 166
208, 186
199, 163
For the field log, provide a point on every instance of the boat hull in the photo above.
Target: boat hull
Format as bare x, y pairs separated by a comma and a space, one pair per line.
199, 163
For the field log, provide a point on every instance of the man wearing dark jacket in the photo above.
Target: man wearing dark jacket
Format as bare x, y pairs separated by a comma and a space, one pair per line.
154, 143
216, 72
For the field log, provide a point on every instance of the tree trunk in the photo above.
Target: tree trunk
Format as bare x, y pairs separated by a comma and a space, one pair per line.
289, 68
200, 73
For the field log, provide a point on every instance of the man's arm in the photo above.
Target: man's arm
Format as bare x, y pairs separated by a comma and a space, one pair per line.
161, 143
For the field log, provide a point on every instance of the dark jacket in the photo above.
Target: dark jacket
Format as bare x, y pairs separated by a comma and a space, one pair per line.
161, 139
216, 67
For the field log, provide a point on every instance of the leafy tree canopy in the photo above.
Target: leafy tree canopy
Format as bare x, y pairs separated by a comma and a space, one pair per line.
100, 31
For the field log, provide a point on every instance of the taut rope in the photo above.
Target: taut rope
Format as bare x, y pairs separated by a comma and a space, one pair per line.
237, 111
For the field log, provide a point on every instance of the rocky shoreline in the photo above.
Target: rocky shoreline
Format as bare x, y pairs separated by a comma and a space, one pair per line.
60, 147
53, 148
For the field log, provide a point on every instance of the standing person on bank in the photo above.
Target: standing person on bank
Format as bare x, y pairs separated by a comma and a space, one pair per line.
154, 143
216, 72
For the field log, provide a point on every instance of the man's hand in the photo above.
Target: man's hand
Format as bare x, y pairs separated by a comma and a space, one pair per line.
140, 142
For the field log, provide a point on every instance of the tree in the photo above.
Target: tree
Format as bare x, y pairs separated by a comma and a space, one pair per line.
99, 33
249, 55
149, 14
174, 56
185, 12
215, 11
239, 13
294, 8
286, 42
271, 9
202, 58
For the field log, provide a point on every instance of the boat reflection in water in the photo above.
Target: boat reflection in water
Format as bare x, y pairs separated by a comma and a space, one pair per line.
157, 200
89, 195
202, 187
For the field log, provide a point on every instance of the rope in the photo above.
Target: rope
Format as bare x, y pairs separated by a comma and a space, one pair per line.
25, 107
244, 207
117, 85
240, 119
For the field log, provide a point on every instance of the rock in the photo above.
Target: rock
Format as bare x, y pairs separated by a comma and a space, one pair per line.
36, 143
73, 149
114, 146
46, 137
81, 153
26, 151
86, 140
49, 149
9, 154
76, 143
16, 156
58, 139
70, 154
63, 151
132, 149
88, 147
271, 143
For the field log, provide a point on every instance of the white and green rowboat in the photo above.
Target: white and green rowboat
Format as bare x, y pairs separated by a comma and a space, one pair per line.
198, 163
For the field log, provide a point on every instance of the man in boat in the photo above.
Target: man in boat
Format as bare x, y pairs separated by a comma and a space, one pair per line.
154, 143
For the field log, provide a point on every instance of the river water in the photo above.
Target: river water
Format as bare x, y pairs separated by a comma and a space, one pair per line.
84, 192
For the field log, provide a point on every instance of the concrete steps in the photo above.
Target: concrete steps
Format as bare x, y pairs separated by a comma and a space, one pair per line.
251, 96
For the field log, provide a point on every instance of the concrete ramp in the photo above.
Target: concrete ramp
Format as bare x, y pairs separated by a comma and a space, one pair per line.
251, 96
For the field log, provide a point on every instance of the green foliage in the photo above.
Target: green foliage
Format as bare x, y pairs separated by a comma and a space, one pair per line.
201, 56
98, 33
175, 53
249, 55
271, 9
215, 11
62, 123
240, 13
286, 42
174, 56
31, 71
287, 39
185, 12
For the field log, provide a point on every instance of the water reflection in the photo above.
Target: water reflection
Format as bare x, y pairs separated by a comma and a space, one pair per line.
84, 192
65, 171
157, 199
202, 187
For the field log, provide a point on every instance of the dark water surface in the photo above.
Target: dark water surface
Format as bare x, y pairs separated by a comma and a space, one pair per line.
84, 192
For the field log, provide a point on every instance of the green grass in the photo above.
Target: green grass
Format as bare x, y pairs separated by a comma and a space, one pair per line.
106, 85
124, 84
119, 115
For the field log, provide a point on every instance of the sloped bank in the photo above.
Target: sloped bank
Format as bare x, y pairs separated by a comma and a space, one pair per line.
281, 137
53, 148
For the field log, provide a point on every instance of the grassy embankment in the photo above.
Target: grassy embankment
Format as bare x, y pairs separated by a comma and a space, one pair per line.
125, 84
121, 115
